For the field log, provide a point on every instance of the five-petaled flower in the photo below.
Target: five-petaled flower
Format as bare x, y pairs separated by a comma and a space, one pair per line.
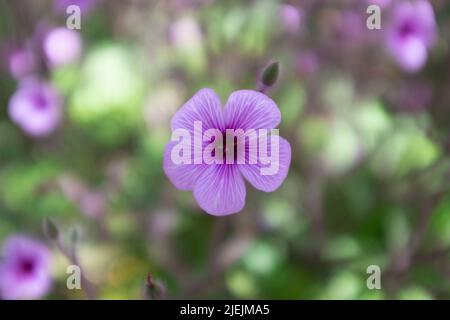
412, 32
219, 188
62, 46
36, 107
25, 269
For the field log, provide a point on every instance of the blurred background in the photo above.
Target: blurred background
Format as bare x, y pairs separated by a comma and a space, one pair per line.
85, 115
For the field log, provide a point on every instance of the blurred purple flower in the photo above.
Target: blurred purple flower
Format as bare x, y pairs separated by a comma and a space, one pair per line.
62, 46
25, 269
381, 3
92, 203
86, 6
185, 34
307, 63
290, 18
412, 32
350, 28
21, 62
219, 189
36, 107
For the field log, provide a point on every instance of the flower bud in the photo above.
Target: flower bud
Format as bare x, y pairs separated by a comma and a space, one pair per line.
154, 289
270, 74
50, 229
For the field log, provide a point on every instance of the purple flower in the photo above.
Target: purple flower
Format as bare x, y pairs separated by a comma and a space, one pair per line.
290, 18
307, 63
25, 269
412, 32
380, 3
62, 46
349, 28
219, 188
36, 107
185, 34
92, 203
21, 62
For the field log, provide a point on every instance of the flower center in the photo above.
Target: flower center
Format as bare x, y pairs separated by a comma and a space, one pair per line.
406, 29
230, 148
227, 148
26, 266
39, 101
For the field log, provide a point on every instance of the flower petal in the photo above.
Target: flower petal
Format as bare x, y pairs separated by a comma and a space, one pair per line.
220, 190
268, 183
411, 54
204, 106
183, 176
424, 12
249, 109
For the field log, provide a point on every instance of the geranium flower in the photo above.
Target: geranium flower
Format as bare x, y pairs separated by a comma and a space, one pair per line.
25, 269
21, 62
412, 32
290, 18
62, 46
36, 107
219, 188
